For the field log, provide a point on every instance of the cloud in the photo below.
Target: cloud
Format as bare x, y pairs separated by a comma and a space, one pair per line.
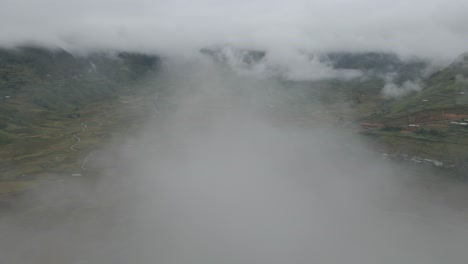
296, 66
434, 28
393, 90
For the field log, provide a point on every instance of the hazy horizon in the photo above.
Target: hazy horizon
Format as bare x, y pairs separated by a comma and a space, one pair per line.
433, 29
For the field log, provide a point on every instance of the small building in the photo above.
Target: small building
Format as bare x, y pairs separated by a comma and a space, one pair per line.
459, 123
76, 175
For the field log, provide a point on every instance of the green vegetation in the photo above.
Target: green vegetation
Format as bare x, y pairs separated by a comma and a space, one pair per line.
392, 128
46, 95
57, 79
431, 123
431, 132
444, 90
35, 81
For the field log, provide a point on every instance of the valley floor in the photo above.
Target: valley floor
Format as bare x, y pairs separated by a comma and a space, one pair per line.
52, 145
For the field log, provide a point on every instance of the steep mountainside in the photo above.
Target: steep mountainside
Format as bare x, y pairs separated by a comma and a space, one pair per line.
430, 125
35, 79
55, 108
56, 78
444, 90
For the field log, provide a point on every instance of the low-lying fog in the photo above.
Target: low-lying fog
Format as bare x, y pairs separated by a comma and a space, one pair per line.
222, 175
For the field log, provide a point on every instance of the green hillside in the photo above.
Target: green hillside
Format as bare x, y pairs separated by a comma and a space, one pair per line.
39, 79
48, 96
430, 124
57, 79
444, 90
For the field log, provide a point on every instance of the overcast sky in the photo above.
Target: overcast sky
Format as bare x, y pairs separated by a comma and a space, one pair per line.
432, 28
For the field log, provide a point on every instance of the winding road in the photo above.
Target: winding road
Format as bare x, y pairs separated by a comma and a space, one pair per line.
83, 164
78, 139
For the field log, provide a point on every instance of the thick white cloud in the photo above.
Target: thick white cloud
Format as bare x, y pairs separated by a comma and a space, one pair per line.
391, 89
431, 28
